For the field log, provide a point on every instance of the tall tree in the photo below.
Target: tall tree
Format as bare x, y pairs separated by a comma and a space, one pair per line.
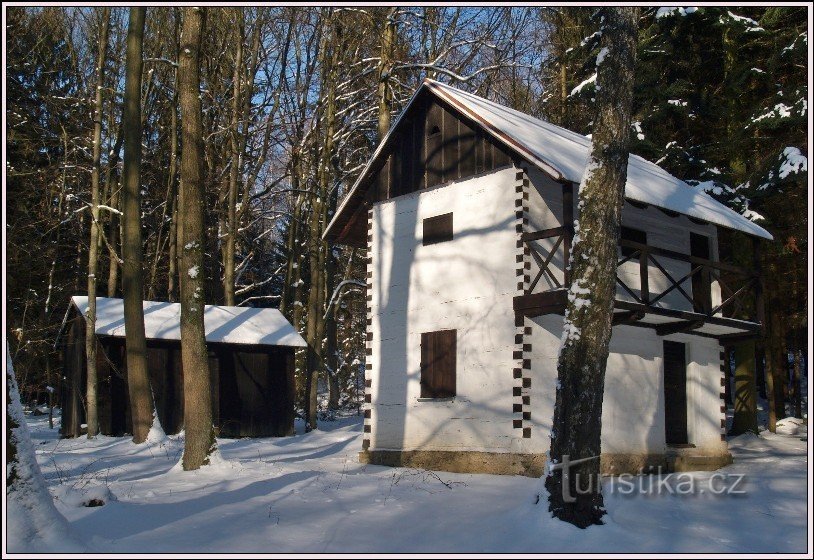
744, 418
385, 69
317, 247
234, 165
200, 435
92, 417
577, 426
138, 380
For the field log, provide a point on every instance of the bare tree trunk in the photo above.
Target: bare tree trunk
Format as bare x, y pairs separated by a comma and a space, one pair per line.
234, 170
331, 360
385, 67
169, 204
314, 324
200, 435
58, 233
112, 189
291, 269
563, 93
113, 236
796, 383
51, 389
138, 380
769, 368
80, 229
577, 426
763, 366
315, 329
93, 250
745, 409
172, 253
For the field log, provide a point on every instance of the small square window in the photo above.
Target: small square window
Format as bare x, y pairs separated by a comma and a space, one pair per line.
632, 234
437, 229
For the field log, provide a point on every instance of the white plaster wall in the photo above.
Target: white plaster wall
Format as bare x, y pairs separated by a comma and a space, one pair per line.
703, 392
465, 284
468, 284
633, 402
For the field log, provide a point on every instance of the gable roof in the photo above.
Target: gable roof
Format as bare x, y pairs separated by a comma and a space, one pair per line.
562, 154
162, 321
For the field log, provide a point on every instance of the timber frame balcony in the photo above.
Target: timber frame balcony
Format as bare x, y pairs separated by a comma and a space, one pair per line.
739, 314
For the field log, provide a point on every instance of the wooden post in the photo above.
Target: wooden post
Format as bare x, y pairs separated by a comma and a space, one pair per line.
727, 375
759, 311
644, 276
762, 367
745, 417
568, 229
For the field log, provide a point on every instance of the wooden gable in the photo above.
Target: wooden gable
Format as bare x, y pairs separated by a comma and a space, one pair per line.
432, 144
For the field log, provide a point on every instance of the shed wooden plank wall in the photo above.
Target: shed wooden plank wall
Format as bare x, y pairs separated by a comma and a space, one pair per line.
252, 386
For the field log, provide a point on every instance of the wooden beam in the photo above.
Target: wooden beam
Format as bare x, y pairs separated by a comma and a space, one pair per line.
759, 310
542, 234
736, 338
688, 316
627, 317
675, 255
353, 232
545, 303
679, 327
568, 226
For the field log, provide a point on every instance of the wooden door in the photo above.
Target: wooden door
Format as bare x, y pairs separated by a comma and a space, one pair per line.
438, 364
675, 393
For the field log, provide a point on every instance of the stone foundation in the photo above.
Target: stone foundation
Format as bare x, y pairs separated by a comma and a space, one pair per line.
632, 463
690, 459
459, 461
532, 465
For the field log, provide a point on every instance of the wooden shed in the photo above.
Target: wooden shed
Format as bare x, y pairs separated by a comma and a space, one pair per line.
251, 364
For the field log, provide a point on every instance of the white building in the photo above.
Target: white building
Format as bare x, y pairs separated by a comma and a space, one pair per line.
467, 211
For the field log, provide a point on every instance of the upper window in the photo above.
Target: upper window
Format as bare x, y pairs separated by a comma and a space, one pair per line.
438, 364
434, 130
437, 229
632, 234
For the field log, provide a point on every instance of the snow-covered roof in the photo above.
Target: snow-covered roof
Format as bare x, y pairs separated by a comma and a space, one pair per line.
231, 325
563, 155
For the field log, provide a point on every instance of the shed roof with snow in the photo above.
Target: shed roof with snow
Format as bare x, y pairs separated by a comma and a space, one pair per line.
223, 324
560, 153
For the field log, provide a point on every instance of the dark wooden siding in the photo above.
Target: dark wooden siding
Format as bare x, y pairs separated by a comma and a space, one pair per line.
433, 145
252, 386
256, 392
73, 379
114, 403
675, 393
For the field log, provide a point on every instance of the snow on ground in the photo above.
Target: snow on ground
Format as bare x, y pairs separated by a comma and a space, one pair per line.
309, 493
32, 522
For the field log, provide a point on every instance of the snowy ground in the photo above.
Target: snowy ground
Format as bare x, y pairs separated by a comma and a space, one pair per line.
308, 493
